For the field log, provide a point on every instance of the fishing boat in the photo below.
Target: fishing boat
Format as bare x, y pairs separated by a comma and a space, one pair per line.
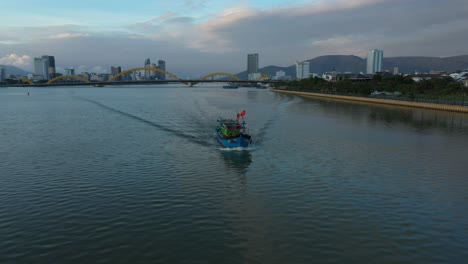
231, 133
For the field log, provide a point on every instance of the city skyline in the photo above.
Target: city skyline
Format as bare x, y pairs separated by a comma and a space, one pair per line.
212, 32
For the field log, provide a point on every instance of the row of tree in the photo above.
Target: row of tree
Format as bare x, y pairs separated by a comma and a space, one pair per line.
406, 86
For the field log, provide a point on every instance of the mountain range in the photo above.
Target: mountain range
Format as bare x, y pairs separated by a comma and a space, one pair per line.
351, 63
9, 69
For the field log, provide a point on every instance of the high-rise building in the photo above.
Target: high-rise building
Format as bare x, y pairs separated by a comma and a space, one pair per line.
395, 71
302, 70
147, 72
41, 68
2, 74
50, 61
69, 71
116, 70
252, 63
374, 61
162, 66
280, 74
153, 74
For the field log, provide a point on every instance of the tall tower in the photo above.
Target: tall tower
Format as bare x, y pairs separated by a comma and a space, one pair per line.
147, 72
2, 74
116, 70
252, 63
162, 66
374, 61
41, 68
50, 61
302, 70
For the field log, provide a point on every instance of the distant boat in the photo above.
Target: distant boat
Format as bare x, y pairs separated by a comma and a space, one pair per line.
230, 86
248, 85
231, 133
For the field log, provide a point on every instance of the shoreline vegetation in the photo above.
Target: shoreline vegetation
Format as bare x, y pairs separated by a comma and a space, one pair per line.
440, 94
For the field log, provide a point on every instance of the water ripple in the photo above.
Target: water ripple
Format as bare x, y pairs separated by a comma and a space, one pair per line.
145, 182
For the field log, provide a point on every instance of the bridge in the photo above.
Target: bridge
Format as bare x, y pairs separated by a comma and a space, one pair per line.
64, 80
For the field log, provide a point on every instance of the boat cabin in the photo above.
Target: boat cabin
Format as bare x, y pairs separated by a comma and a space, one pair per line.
230, 128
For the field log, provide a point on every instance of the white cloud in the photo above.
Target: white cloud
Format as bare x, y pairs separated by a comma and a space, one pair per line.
68, 35
219, 42
16, 60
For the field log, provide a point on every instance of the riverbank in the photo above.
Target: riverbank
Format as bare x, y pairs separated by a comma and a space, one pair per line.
444, 107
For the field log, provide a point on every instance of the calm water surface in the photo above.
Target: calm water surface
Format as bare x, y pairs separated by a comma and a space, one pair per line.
134, 175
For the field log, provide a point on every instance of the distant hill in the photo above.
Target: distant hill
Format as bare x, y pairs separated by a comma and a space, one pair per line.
341, 63
426, 64
350, 63
9, 69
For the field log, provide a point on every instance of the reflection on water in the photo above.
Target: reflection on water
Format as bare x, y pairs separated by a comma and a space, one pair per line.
133, 175
418, 118
237, 160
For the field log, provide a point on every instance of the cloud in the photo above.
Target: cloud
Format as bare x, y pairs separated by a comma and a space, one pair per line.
22, 34
196, 45
166, 26
339, 27
209, 36
16, 60
69, 35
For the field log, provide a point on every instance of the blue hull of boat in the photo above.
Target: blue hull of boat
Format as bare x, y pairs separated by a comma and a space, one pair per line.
238, 142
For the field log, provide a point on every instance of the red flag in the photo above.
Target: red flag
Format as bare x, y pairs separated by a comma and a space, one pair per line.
243, 113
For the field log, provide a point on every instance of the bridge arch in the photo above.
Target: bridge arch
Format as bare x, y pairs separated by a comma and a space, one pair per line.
26, 80
115, 77
263, 76
76, 77
232, 76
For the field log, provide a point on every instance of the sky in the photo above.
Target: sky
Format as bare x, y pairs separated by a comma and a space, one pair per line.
196, 37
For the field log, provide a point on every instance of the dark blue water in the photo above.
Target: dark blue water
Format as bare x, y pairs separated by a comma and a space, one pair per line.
134, 175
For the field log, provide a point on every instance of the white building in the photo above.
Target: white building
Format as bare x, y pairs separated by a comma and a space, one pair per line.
254, 76
69, 71
374, 61
94, 77
465, 82
280, 75
41, 68
459, 75
302, 70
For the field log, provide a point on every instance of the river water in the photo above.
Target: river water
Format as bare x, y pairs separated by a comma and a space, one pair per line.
135, 175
